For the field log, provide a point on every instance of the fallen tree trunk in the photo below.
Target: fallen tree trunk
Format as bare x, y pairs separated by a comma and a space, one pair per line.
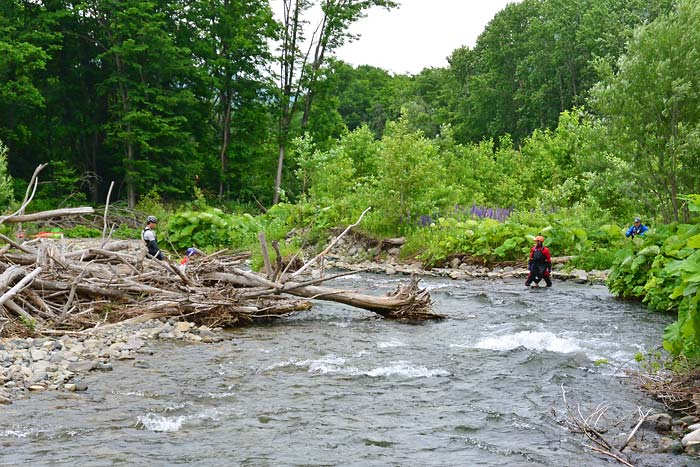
407, 302
37, 216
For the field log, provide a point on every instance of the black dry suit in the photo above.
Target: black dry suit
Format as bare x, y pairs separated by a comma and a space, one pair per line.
149, 237
539, 265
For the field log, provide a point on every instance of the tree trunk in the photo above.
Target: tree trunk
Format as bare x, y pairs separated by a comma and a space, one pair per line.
278, 177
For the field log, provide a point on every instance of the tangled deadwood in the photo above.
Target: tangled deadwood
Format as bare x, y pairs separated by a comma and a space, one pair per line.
595, 426
679, 392
53, 285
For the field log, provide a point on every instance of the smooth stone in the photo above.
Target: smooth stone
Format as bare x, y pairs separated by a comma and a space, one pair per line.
80, 386
183, 326
691, 438
85, 365
658, 422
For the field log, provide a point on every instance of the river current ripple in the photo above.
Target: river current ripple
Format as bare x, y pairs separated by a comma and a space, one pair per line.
338, 386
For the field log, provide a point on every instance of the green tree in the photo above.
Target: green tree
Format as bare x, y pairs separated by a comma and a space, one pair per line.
25, 45
231, 41
535, 59
299, 70
652, 107
6, 193
410, 179
148, 88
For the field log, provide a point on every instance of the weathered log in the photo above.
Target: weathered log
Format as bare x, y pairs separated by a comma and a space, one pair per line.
410, 303
37, 216
83, 289
86, 254
392, 242
24, 282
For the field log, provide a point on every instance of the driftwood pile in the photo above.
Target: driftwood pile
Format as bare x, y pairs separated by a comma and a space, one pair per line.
48, 287
678, 391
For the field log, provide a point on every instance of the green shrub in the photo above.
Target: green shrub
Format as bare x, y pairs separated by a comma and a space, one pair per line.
81, 231
212, 228
663, 269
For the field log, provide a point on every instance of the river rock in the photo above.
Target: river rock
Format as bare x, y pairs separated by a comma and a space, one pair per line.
580, 276
183, 326
691, 438
80, 386
669, 445
85, 365
37, 387
37, 377
658, 422
688, 420
37, 354
692, 449
390, 271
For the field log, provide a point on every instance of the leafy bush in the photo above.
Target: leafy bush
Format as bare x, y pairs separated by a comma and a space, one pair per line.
81, 231
492, 241
126, 232
212, 228
663, 269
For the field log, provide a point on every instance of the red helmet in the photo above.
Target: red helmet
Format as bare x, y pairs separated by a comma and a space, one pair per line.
539, 238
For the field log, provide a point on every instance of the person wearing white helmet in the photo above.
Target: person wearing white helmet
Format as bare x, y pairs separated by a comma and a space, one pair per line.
148, 235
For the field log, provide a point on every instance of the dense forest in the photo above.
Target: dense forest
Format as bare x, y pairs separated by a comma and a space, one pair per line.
567, 118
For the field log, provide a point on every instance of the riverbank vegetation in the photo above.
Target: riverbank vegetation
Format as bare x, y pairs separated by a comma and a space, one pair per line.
566, 119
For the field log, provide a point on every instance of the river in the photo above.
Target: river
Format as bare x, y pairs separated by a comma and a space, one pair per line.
339, 386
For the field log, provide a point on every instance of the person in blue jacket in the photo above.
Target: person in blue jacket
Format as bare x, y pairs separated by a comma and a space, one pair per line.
637, 228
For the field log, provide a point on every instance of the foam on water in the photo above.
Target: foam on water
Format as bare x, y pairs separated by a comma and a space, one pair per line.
20, 433
334, 365
390, 343
533, 340
155, 422
406, 370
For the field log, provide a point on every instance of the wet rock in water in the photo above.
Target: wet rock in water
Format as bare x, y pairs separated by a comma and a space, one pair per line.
458, 275
80, 386
104, 367
390, 271
658, 421
580, 276
37, 387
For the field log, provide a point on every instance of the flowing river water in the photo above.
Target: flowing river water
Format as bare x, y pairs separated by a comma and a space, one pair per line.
339, 386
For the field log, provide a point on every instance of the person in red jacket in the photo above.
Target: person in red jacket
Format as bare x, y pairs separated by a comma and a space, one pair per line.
540, 264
